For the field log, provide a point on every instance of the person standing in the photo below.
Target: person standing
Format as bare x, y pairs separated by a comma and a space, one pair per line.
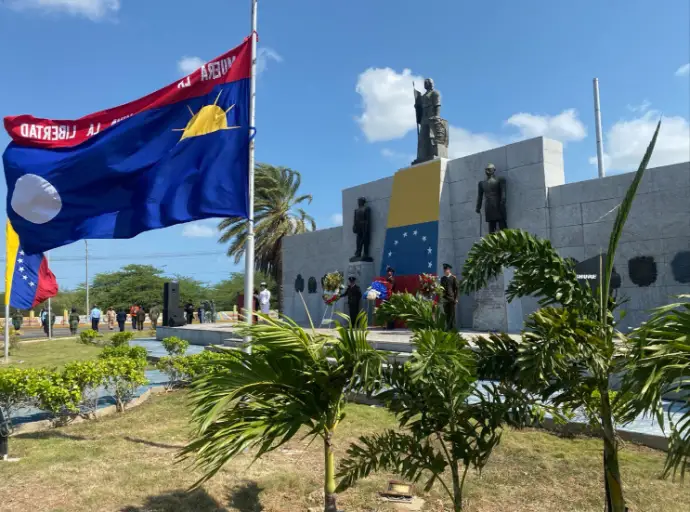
110, 317
449, 299
390, 277
121, 319
133, 314
189, 311
48, 323
264, 299
154, 313
141, 318
17, 320
354, 298
73, 322
95, 318
213, 312
200, 312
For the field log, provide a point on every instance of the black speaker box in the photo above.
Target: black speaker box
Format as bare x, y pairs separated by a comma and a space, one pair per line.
173, 315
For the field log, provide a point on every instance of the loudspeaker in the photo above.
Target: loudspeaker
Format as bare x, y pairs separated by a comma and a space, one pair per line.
172, 312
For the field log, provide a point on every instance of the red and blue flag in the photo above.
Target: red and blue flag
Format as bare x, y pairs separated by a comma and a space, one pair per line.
177, 155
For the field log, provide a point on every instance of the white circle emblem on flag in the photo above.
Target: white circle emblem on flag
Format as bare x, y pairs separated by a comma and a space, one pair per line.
35, 199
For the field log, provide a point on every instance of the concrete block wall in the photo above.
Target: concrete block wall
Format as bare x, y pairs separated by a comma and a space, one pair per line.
581, 218
310, 255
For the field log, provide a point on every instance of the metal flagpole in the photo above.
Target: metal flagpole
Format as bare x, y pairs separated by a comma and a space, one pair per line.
7, 328
86, 264
249, 249
597, 121
49, 318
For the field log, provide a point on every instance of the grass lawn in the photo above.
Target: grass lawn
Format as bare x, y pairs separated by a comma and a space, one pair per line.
51, 353
56, 353
126, 463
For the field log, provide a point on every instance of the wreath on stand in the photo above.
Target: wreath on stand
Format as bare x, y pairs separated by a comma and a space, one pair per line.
332, 284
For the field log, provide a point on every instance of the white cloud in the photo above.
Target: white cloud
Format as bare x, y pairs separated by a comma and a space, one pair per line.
642, 107
337, 219
187, 65
388, 103
684, 70
626, 141
263, 55
92, 9
397, 155
463, 142
564, 127
200, 229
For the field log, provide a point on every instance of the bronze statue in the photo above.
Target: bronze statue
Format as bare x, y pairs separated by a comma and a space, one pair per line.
494, 188
432, 130
362, 228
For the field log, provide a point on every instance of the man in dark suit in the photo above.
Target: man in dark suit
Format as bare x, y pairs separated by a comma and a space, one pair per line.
354, 298
449, 299
390, 277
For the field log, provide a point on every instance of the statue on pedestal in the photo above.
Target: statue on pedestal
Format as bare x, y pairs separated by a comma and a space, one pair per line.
494, 188
432, 130
362, 228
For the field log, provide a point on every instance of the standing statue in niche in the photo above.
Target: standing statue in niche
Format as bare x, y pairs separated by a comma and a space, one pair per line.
494, 189
362, 228
432, 130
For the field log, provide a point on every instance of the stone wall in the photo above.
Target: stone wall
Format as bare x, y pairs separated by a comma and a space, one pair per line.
310, 255
653, 258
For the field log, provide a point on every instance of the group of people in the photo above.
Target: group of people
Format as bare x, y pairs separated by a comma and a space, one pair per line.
449, 295
206, 312
137, 313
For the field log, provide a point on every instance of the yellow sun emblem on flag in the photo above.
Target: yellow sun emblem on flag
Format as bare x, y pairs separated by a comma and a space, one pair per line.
209, 119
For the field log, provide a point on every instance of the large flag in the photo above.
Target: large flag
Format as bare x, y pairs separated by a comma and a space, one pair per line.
411, 242
28, 280
177, 155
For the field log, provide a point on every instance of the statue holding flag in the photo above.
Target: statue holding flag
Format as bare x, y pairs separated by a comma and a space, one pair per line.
432, 130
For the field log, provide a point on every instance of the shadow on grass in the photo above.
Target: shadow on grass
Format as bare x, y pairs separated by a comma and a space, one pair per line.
245, 497
154, 444
179, 501
51, 434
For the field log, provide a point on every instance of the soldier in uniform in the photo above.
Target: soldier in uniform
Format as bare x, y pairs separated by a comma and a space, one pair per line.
354, 298
449, 299
494, 188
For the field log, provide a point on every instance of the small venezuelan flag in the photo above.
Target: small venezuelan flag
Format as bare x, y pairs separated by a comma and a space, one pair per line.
411, 240
28, 280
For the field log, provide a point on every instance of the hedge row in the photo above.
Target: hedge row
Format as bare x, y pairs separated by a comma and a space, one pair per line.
73, 391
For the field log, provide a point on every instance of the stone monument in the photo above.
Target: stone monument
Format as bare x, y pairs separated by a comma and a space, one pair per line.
361, 227
432, 130
494, 189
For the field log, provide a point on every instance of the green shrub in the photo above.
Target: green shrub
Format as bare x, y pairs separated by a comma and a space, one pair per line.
18, 388
183, 369
175, 346
88, 376
121, 339
123, 375
136, 353
58, 396
88, 336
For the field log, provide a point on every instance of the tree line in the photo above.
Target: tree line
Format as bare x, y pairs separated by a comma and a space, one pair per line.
143, 285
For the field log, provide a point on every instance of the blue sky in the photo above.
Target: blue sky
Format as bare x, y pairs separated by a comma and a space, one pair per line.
334, 95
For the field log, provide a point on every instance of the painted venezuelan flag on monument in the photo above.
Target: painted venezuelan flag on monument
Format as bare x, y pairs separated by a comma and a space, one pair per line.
28, 280
177, 155
411, 242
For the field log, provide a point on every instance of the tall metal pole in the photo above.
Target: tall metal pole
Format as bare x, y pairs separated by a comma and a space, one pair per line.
7, 330
597, 121
249, 249
86, 265
49, 318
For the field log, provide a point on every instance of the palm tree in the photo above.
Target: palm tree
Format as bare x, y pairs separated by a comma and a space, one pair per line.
277, 214
660, 363
568, 353
292, 379
448, 422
